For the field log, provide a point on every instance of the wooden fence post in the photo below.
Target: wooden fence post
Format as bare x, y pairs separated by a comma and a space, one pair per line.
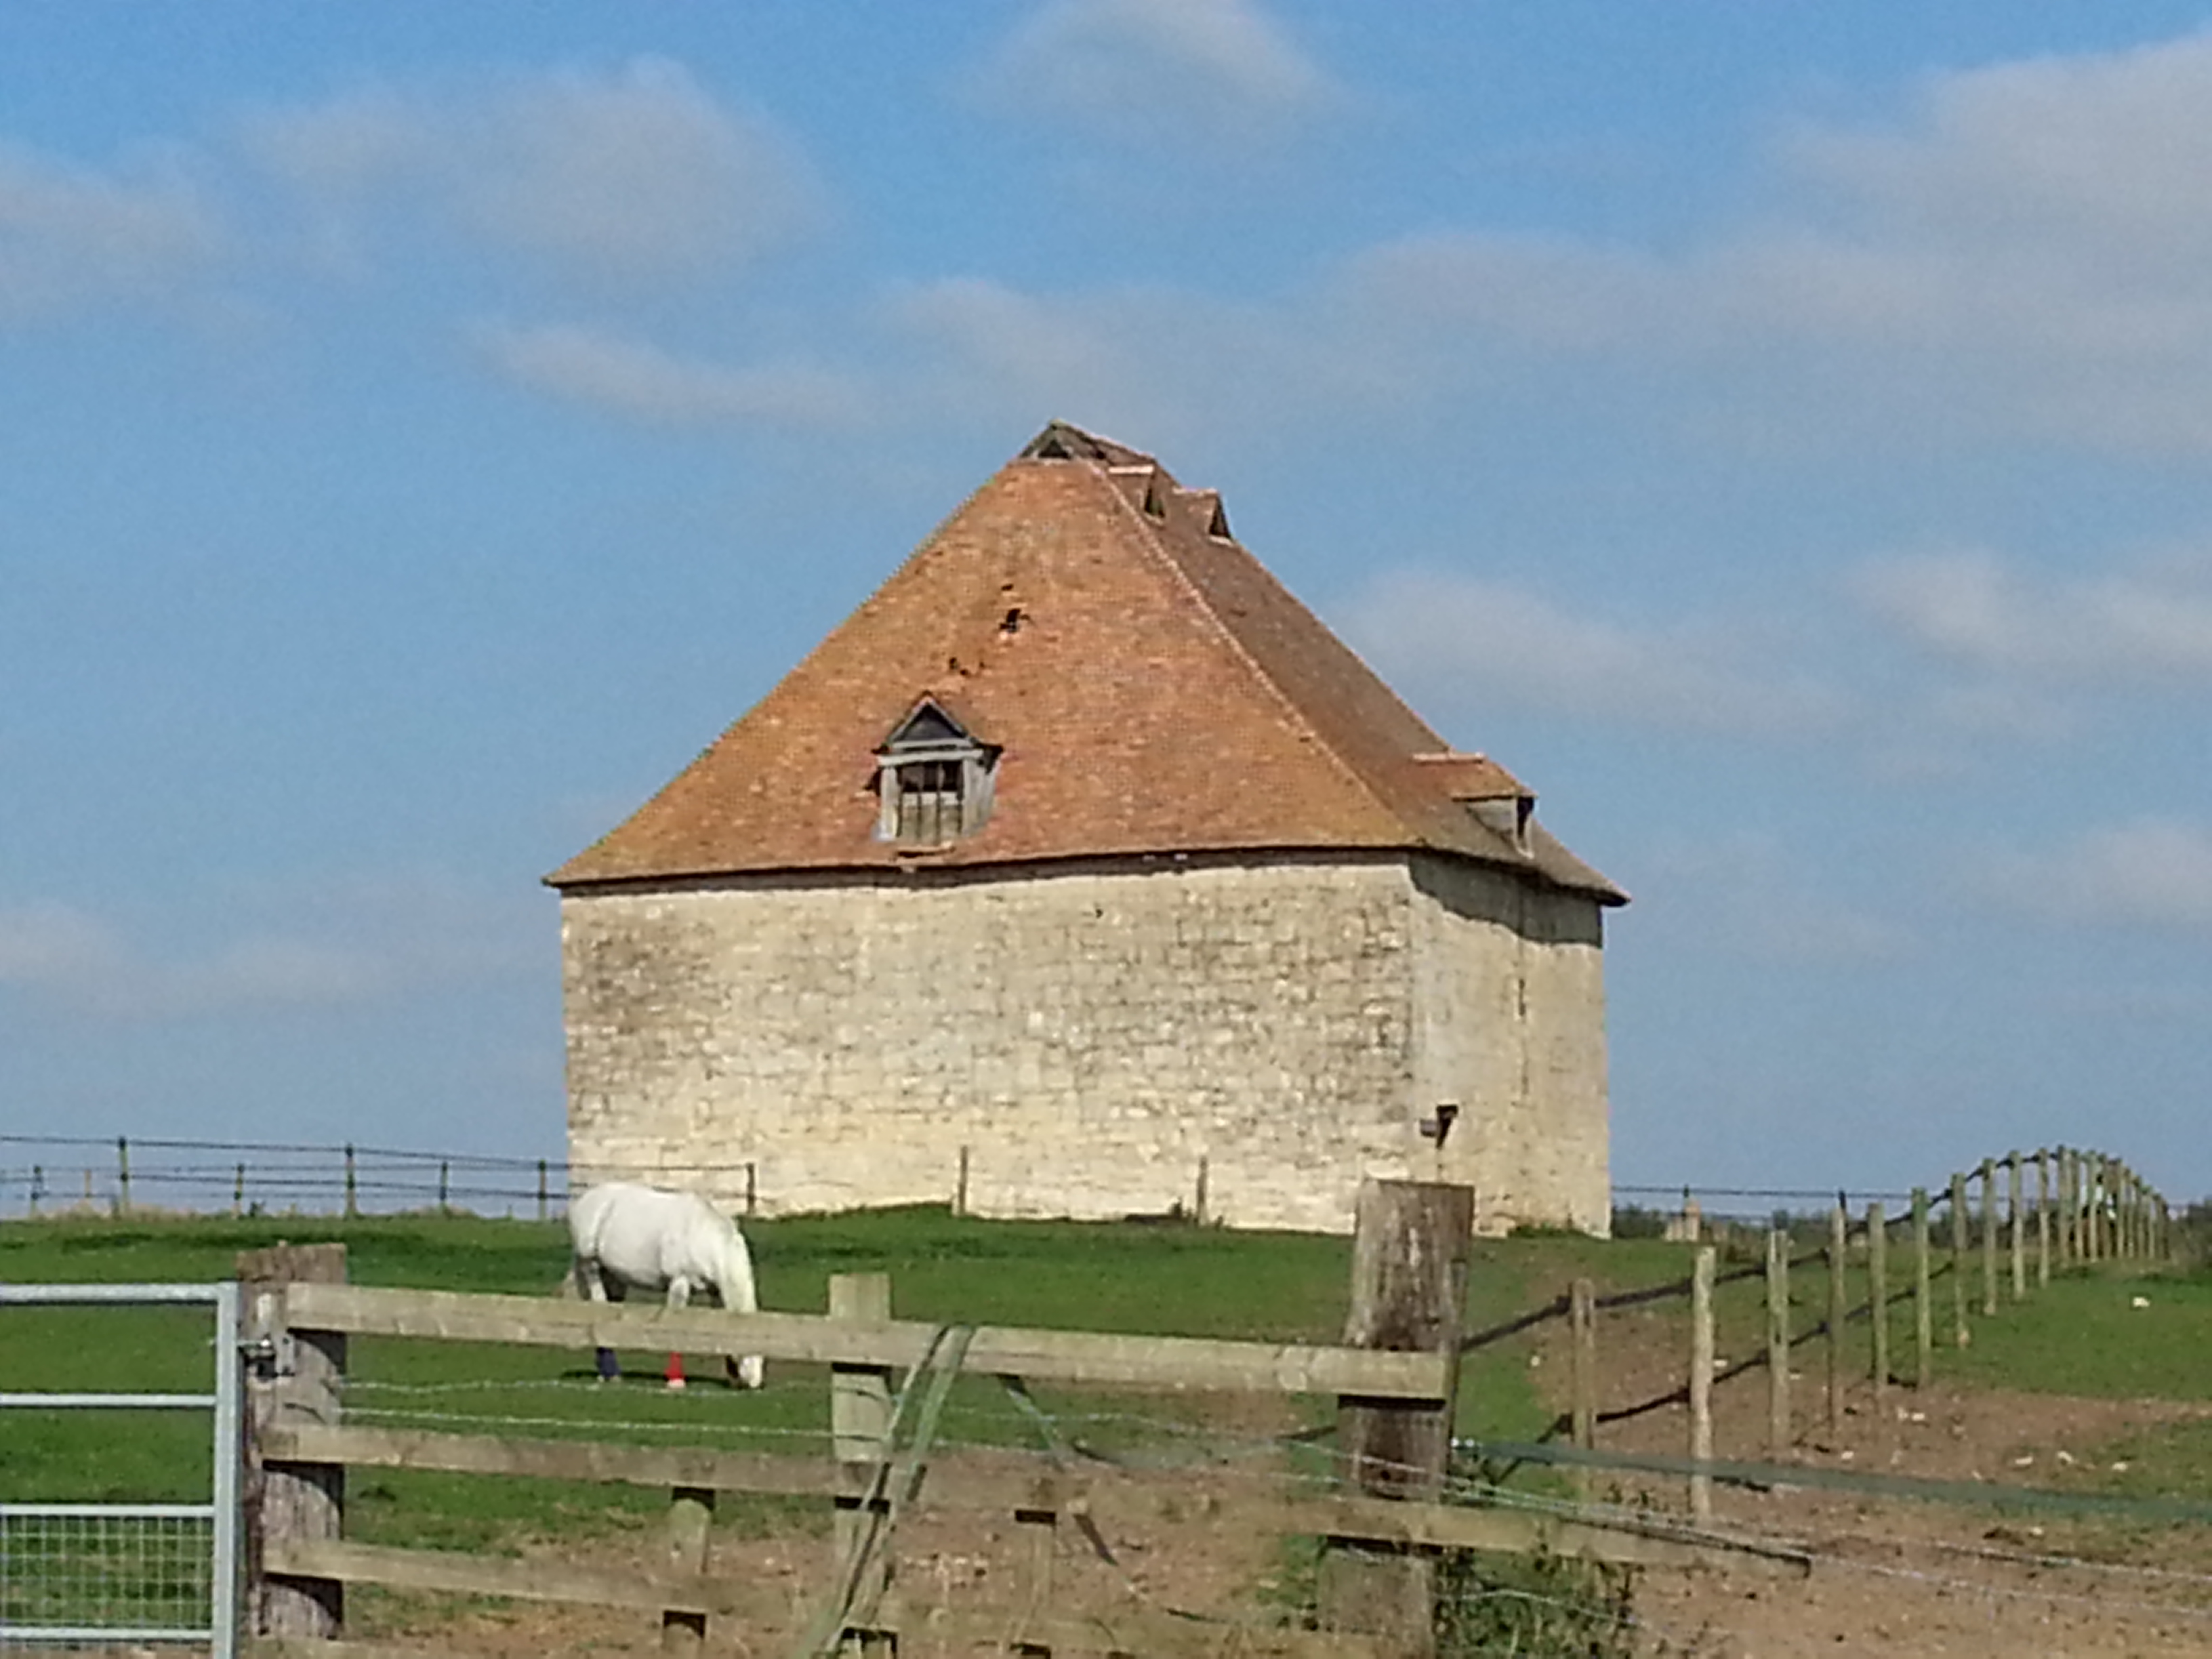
1701, 1381
690, 1518
860, 1425
1878, 1299
1923, 1315
1989, 1238
352, 1189
2016, 1226
296, 1374
2093, 1207
2068, 1242
1410, 1250
1961, 1334
1778, 1435
2042, 1218
960, 1185
122, 1176
1839, 1226
1582, 1321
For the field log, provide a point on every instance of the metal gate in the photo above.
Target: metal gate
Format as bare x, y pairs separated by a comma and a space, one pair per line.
77, 1575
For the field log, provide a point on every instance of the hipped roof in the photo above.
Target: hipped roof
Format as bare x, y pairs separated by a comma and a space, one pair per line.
1152, 689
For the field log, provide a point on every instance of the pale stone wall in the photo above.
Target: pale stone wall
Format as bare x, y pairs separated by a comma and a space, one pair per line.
1094, 1035
1510, 1021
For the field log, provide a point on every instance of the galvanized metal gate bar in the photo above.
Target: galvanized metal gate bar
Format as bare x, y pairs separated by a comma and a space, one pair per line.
220, 1512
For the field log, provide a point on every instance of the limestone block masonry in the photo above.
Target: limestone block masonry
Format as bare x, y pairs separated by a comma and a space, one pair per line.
1104, 1037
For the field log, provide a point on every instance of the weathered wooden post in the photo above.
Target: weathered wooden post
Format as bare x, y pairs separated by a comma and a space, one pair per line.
238, 1192
2093, 1207
860, 1427
1582, 1324
2016, 1226
1924, 1315
1878, 1297
122, 1176
690, 1519
2069, 1237
1839, 1226
545, 1196
1701, 1383
1961, 1334
2042, 1218
294, 1376
1779, 1437
1409, 1263
960, 1185
352, 1191
1989, 1238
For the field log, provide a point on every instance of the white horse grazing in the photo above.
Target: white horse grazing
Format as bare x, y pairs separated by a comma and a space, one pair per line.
628, 1237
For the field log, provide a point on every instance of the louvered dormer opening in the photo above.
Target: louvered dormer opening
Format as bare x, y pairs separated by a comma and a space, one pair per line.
933, 780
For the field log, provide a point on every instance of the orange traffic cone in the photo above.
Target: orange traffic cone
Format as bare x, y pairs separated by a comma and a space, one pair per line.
676, 1370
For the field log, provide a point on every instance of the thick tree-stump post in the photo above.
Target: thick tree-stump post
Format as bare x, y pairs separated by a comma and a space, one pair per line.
1701, 1382
1582, 1323
690, 1519
295, 1375
1779, 1437
1409, 1264
1878, 1299
859, 1429
1839, 1236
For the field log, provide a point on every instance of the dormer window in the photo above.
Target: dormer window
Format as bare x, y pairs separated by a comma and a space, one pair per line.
933, 780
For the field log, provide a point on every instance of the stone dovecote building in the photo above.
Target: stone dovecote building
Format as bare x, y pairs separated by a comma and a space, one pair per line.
1084, 858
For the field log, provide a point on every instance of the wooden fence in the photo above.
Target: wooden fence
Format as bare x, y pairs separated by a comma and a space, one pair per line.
2085, 1207
1378, 1504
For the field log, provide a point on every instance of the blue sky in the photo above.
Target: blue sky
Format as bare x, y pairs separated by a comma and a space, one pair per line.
1782, 435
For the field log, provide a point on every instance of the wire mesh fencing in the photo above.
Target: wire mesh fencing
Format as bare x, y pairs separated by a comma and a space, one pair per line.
72, 1574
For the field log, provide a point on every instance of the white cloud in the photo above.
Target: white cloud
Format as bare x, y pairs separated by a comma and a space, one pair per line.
637, 175
2154, 873
70, 236
1162, 72
641, 382
1974, 609
88, 963
1459, 635
1742, 894
339, 945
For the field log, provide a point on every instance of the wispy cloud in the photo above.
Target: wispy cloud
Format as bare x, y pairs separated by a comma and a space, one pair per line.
638, 174
1457, 635
1742, 894
638, 381
2154, 873
71, 235
1975, 609
1161, 73
349, 945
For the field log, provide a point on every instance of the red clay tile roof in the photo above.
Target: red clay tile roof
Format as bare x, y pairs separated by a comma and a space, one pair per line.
1159, 693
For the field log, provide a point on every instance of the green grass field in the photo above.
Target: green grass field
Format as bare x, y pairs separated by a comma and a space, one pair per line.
2082, 1336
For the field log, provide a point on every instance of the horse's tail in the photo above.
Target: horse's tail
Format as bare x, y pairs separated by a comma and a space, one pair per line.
734, 1271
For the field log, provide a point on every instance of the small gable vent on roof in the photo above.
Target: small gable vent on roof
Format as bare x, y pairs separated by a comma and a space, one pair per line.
1062, 442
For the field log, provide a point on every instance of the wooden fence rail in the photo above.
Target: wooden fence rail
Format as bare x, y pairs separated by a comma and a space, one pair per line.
1382, 1518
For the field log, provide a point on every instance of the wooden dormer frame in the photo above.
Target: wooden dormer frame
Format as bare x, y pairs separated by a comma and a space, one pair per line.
934, 780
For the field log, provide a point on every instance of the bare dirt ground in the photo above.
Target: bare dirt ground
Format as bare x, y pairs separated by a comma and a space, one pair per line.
1904, 1577
1900, 1578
